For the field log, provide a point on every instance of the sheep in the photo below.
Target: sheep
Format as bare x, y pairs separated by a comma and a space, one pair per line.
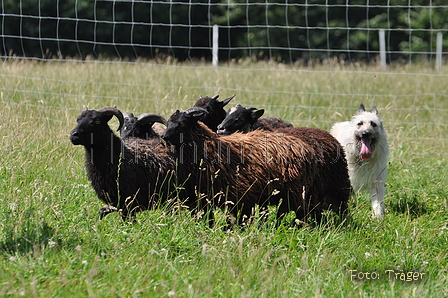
238, 171
142, 127
215, 108
129, 174
240, 119
332, 179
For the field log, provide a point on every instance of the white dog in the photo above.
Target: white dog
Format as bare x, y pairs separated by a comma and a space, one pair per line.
366, 149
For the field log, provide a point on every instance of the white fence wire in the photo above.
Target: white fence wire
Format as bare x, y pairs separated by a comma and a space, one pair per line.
303, 35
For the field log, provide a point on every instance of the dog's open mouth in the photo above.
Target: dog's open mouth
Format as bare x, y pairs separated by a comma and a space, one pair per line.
366, 150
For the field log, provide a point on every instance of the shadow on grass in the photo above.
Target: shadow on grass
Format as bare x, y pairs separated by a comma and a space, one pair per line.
26, 231
408, 204
23, 237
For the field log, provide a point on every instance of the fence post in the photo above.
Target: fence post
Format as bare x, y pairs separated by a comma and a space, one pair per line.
215, 45
439, 51
382, 40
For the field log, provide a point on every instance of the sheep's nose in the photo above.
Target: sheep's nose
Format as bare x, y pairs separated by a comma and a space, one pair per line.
74, 133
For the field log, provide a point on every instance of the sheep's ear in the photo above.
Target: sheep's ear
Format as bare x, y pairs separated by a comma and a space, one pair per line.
257, 114
374, 110
85, 108
227, 100
361, 109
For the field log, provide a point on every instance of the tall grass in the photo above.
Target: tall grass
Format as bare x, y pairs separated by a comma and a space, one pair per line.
52, 243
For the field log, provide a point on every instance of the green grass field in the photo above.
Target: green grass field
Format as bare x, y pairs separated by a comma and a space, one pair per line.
52, 243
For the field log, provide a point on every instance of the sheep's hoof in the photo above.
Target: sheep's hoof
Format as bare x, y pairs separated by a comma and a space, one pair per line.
106, 210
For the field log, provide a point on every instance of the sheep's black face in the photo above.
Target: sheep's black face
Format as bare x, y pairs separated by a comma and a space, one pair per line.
175, 129
180, 125
90, 123
216, 112
239, 119
130, 127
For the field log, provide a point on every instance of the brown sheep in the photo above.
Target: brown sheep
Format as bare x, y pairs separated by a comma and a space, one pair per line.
332, 181
241, 170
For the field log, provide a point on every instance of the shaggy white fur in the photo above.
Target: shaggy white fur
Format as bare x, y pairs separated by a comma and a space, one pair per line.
366, 149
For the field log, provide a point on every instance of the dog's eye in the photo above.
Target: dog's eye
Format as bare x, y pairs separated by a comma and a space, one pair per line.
373, 124
360, 123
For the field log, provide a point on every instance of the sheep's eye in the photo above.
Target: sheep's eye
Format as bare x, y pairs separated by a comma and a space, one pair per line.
360, 123
97, 121
373, 124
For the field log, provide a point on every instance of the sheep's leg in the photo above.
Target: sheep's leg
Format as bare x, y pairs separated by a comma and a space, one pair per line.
240, 214
199, 205
342, 209
209, 216
284, 208
281, 213
264, 215
128, 215
316, 214
246, 214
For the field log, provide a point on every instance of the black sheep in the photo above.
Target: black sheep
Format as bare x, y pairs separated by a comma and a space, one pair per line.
215, 109
129, 174
241, 119
142, 126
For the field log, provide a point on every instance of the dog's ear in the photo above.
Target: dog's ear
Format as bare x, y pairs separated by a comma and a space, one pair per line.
361, 109
374, 110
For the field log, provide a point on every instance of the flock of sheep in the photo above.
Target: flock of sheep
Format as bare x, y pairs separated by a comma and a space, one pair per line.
209, 158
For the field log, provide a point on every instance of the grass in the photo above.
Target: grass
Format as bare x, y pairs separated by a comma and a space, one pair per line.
53, 245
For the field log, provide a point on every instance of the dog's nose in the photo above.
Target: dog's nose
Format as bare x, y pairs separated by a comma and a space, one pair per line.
366, 133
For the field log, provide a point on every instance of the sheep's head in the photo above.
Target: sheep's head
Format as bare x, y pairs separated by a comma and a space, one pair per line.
215, 109
92, 123
181, 123
141, 127
239, 119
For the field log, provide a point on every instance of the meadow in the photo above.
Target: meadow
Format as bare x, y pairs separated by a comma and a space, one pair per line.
52, 243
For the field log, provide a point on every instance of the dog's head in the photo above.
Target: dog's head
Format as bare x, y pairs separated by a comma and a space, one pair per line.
368, 128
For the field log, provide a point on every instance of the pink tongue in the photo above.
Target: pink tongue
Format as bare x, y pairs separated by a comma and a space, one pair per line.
366, 152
